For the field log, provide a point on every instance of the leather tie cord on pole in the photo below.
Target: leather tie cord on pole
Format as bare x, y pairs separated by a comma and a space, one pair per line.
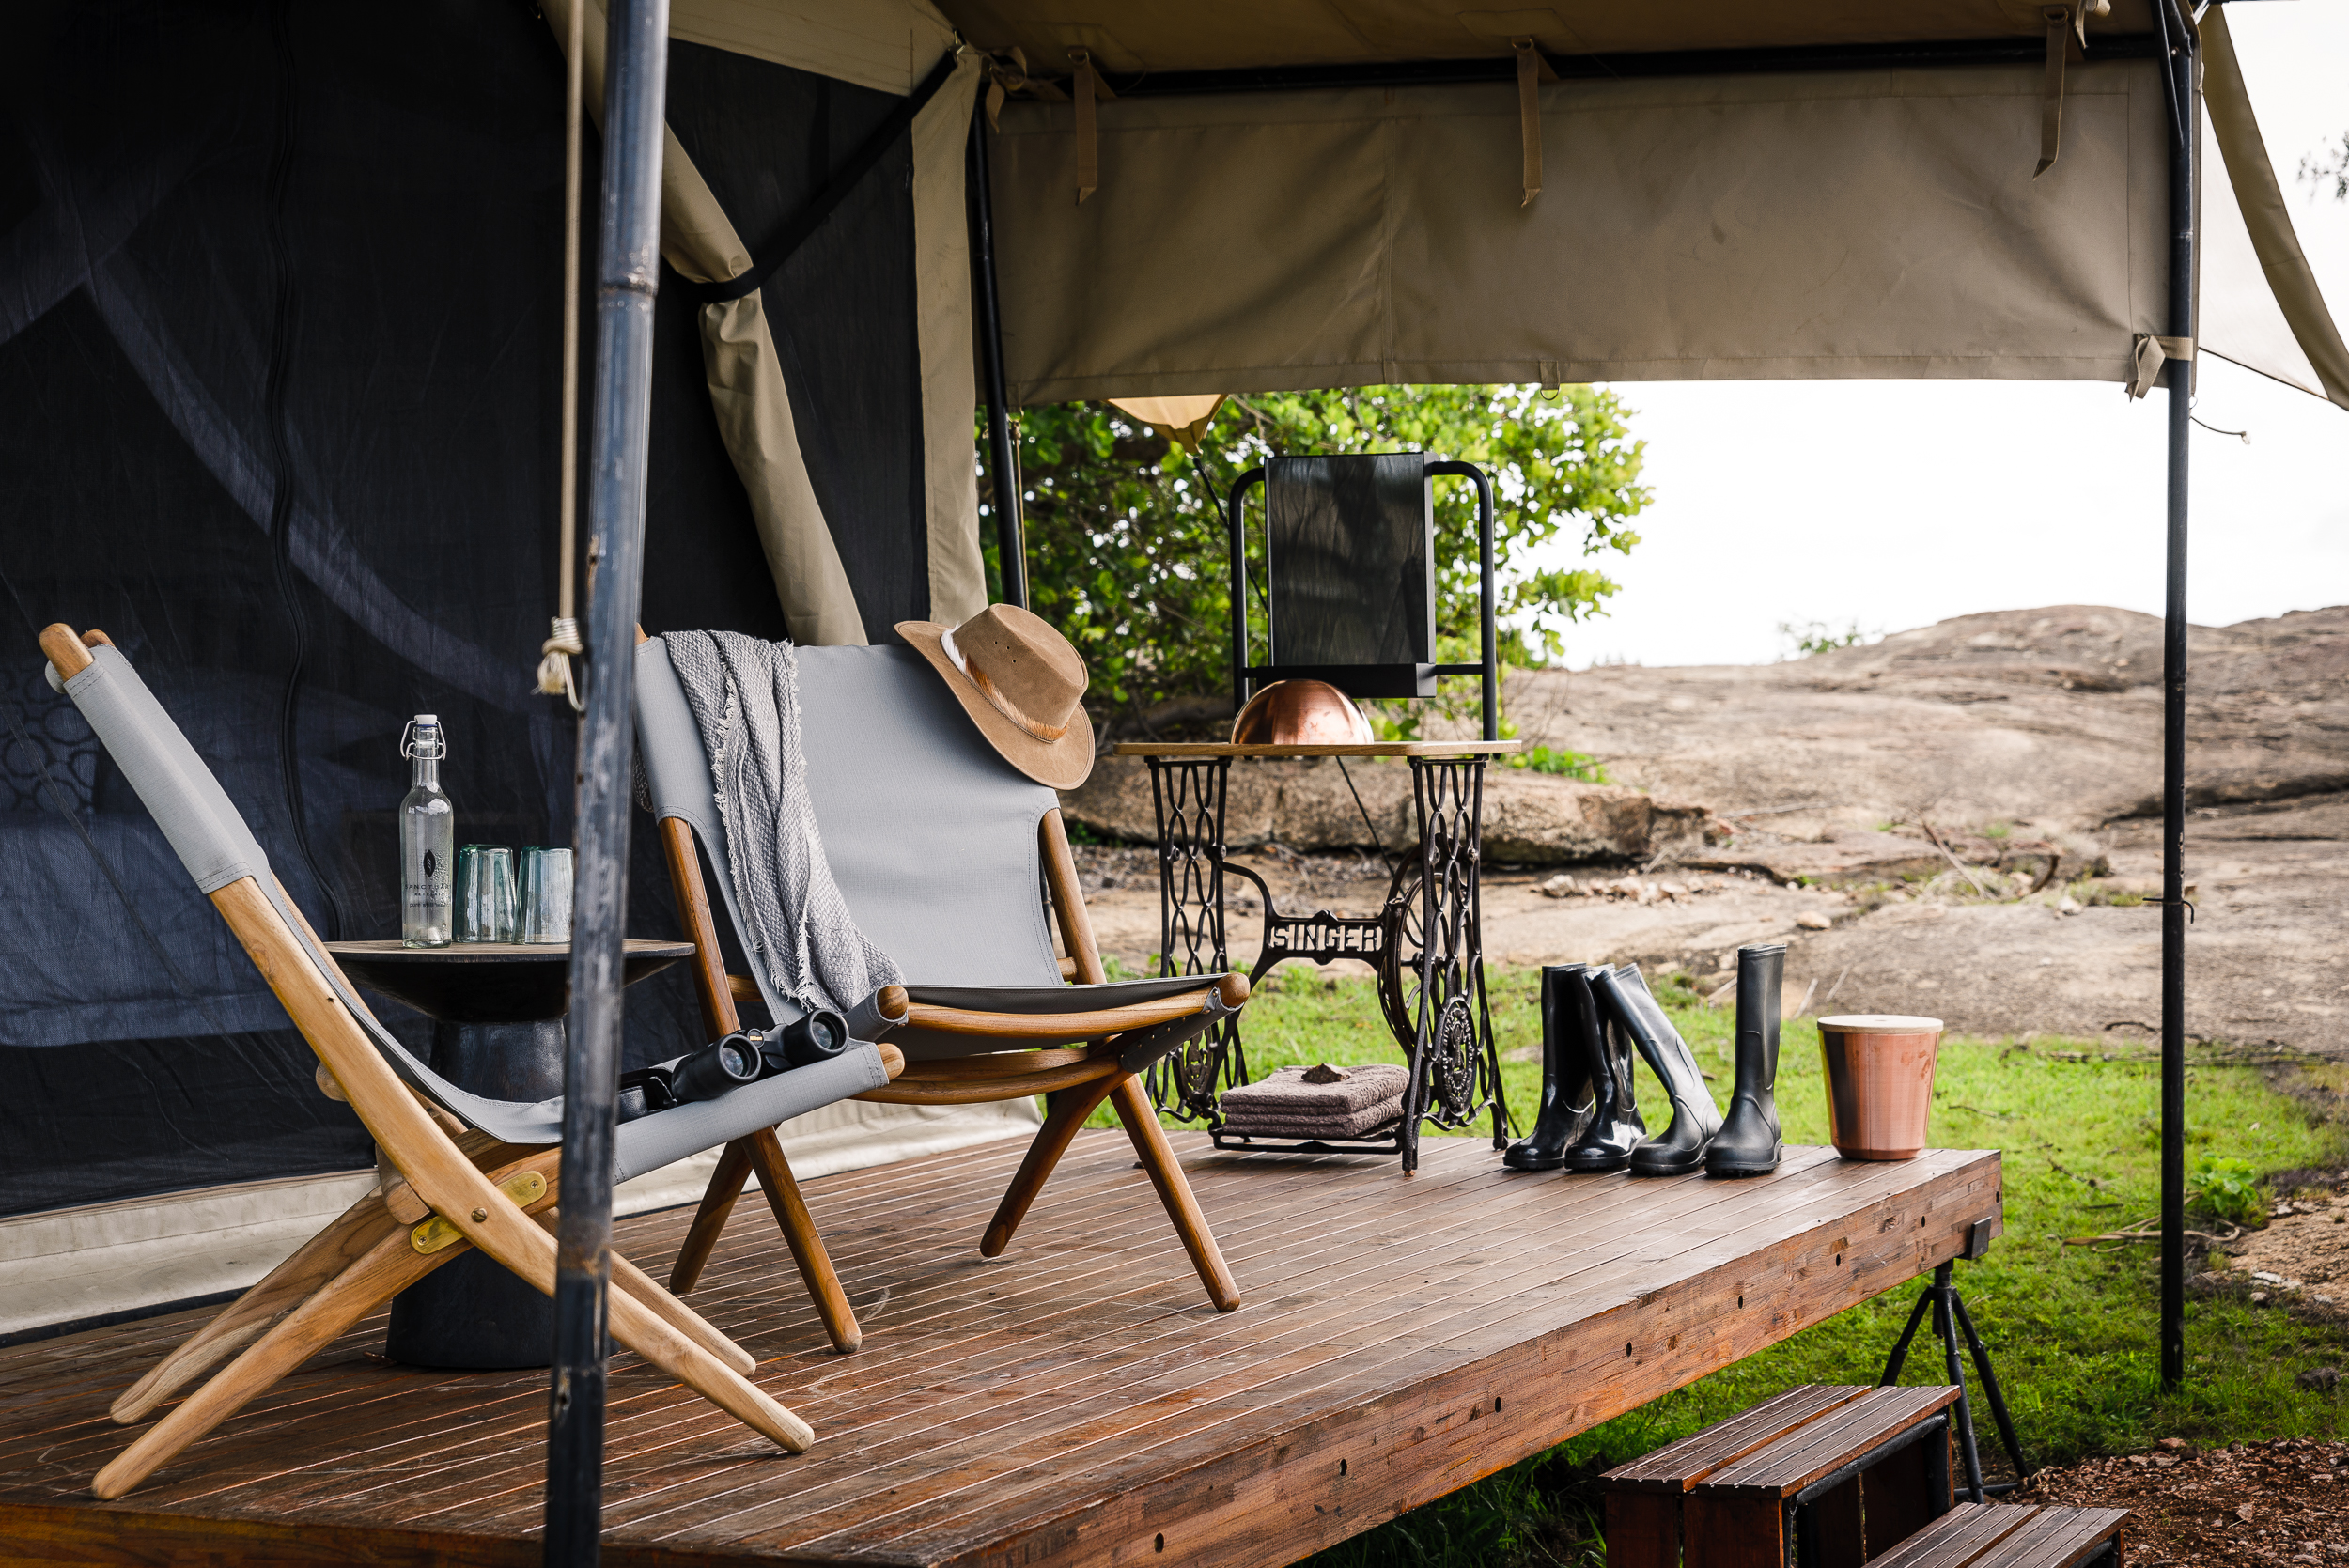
556, 677
1532, 71
1085, 88
1007, 72
2153, 352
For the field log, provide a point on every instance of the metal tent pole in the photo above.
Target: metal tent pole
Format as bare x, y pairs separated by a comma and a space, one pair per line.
2185, 121
1002, 457
627, 277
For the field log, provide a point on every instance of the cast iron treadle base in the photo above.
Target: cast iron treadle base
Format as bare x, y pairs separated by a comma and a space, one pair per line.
1426, 943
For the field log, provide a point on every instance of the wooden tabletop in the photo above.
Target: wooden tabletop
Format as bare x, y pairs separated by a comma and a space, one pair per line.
1362, 749
392, 947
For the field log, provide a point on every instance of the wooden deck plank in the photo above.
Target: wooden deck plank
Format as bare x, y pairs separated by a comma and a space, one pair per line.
1292, 1322
1118, 1358
864, 1370
1475, 1295
1072, 1402
1404, 1382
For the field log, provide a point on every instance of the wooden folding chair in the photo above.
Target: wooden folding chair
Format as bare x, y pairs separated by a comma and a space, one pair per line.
461, 1171
942, 851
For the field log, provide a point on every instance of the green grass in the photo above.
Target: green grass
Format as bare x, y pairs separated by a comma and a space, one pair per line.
2070, 1328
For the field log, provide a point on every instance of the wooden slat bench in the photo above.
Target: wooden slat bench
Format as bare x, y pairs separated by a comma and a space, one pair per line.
1854, 1469
1644, 1498
2011, 1535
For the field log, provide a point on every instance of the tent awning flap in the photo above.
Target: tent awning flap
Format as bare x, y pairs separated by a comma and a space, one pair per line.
1852, 224
2261, 306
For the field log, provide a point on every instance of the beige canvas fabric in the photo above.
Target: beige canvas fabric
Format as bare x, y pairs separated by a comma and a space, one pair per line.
2261, 306
746, 388
885, 44
1848, 223
941, 281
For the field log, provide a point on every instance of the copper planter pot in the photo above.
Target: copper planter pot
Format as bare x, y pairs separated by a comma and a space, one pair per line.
1879, 1083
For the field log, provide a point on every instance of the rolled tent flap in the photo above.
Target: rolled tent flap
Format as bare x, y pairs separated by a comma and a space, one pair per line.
942, 241
2261, 306
1859, 222
738, 345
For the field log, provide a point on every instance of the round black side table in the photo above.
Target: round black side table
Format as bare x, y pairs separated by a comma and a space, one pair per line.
497, 1011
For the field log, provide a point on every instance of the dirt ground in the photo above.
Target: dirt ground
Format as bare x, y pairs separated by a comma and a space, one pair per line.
2281, 1502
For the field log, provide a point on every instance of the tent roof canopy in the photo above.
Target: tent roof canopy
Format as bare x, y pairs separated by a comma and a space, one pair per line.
1166, 36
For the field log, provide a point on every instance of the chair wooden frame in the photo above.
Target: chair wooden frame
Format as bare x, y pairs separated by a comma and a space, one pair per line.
451, 1189
1075, 1082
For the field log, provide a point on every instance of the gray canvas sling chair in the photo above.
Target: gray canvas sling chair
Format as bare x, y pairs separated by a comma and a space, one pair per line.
460, 1171
941, 849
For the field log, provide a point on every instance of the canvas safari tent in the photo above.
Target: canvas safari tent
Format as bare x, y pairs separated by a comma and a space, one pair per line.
279, 323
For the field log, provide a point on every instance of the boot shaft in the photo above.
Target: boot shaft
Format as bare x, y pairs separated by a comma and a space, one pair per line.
1761, 985
1556, 1007
1565, 1075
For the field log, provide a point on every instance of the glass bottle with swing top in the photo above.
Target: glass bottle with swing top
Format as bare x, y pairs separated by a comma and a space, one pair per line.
428, 839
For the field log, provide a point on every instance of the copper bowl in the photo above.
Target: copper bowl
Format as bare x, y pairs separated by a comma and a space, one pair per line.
1300, 713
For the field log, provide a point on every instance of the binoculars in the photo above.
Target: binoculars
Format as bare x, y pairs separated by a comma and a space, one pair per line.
744, 1056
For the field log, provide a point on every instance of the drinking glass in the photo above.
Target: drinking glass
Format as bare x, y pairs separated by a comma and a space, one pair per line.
547, 894
486, 903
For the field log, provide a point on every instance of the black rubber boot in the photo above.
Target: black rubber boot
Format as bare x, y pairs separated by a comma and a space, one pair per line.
1615, 1128
1749, 1144
1565, 1083
1679, 1148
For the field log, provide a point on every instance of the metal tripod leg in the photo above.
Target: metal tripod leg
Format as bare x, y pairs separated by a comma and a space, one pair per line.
1990, 1389
1949, 1321
1943, 1326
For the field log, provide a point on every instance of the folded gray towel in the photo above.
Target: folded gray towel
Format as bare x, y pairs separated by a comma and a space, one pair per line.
1289, 1092
1288, 1124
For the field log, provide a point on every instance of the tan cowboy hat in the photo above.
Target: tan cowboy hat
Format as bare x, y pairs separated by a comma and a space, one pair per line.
1021, 683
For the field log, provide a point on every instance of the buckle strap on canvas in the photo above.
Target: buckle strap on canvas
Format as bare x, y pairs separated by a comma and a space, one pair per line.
1007, 72
2066, 18
2153, 352
1086, 88
1533, 68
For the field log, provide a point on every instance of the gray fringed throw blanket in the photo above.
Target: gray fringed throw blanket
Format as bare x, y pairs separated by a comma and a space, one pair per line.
745, 697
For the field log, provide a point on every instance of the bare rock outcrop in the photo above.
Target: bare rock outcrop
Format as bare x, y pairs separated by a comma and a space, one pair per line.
2016, 736
1535, 818
2051, 717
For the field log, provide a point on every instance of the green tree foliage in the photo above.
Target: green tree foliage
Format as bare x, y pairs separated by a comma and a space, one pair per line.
1128, 553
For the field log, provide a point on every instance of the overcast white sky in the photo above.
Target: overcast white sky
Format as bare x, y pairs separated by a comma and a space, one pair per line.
1896, 503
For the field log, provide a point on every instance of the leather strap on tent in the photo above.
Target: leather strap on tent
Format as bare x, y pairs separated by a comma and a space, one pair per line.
1006, 73
1532, 69
1085, 88
2153, 352
808, 219
2071, 19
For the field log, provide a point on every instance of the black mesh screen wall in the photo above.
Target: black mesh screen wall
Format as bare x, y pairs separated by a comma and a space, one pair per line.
279, 352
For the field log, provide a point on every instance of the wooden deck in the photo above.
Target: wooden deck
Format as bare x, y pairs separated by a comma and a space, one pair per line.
1075, 1400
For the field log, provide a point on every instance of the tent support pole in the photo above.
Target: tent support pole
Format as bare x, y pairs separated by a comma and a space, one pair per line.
2179, 79
1003, 457
627, 277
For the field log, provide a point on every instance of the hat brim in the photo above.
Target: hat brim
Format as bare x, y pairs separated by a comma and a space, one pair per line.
1063, 764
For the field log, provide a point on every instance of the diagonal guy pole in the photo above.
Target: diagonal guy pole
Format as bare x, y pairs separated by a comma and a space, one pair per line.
628, 261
